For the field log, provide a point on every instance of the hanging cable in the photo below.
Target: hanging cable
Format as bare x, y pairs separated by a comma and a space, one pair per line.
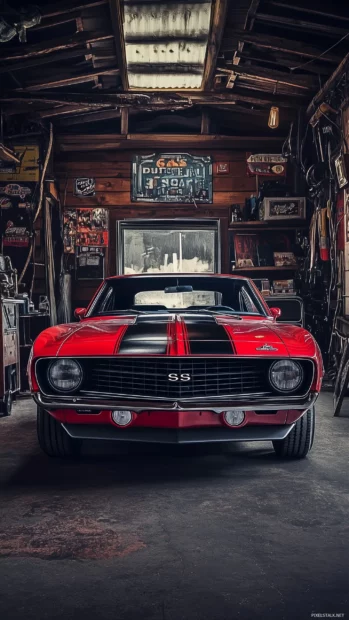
41, 194
308, 62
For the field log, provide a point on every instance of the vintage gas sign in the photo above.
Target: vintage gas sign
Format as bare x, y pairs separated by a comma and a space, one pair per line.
179, 178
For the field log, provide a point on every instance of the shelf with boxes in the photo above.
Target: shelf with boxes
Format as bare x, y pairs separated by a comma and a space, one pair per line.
272, 248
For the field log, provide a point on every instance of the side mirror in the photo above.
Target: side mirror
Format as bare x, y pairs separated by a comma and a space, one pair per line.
276, 313
80, 313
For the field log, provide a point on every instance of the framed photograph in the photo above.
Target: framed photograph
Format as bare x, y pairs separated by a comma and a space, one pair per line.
283, 286
285, 259
286, 208
245, 247
222, 167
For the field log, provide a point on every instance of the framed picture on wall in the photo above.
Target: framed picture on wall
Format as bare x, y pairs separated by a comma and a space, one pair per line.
245, 247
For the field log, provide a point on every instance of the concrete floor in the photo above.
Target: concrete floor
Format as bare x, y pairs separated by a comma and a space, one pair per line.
204, 533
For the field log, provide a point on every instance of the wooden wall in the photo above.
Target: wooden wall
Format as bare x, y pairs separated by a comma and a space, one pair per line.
112, 171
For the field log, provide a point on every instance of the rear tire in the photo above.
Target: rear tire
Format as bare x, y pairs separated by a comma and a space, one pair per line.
53, 439
300, 440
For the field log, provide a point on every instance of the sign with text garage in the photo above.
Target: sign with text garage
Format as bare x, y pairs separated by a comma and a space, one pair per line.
176, 178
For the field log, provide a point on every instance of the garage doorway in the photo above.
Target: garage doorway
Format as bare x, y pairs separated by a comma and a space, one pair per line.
168, 246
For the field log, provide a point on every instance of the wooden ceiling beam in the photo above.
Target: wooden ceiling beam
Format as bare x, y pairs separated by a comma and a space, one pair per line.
70, 81
117, 20
271, 75
305, 9
277, 44
89, 117
151, 100
62, 8
103, 142
218, 17
282, 60
319, 97
59, 20
61, 111
300, 24
45, 60
55, 45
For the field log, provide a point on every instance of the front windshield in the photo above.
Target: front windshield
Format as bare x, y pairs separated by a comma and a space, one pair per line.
166, 294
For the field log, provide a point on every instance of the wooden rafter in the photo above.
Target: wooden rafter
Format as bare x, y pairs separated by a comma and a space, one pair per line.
62, 8
90, 117
271, 75
300, 24
219, 11
283, 60
117, 18
40, 61
305, 9
151, 100
64, 80
318, 99
55, 45
278, 44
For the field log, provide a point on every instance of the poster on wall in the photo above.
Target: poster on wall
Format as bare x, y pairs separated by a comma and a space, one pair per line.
85, 227
27, 170
175, 178
90, 263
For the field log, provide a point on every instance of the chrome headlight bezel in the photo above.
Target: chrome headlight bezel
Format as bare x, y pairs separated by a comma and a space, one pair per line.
277, 388
63, 360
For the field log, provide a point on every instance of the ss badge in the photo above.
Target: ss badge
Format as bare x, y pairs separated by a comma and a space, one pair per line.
173, 376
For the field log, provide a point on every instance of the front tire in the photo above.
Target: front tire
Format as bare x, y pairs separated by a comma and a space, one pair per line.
299, 441
53, 439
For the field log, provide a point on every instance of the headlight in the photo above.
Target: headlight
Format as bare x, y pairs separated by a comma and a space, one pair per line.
286, 375
65, 375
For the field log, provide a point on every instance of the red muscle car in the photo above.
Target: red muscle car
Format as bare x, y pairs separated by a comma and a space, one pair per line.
176, 359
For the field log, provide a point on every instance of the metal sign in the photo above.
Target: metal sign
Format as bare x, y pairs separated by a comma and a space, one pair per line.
28, 170
177, 178
84, 187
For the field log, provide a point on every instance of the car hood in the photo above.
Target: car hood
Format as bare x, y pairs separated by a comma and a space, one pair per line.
175, 335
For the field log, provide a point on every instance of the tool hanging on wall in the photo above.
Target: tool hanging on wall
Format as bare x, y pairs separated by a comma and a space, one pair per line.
324, 239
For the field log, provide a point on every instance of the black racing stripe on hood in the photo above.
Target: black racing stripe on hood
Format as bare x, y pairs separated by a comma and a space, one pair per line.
145, 337
207, 337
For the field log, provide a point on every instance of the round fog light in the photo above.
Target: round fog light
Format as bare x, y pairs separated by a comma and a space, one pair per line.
121, 418
234, 418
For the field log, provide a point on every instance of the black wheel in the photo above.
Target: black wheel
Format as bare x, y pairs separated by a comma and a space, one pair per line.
53, 439
299, 441
6, 404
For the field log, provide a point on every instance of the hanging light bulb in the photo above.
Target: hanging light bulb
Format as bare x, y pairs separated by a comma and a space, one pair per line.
274, 117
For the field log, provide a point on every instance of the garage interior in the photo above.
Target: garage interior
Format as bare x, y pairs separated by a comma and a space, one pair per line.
98, 99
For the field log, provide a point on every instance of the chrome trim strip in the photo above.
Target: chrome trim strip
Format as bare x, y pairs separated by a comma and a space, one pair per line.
215, 405
178, 436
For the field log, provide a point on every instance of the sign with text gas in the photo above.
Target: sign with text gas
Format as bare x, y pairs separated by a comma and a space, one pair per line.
178, 178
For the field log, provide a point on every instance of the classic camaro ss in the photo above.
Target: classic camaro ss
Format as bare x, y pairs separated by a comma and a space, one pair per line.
176, 359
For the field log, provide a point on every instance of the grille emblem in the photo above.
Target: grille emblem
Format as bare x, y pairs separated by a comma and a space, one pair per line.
174, 376
266, 347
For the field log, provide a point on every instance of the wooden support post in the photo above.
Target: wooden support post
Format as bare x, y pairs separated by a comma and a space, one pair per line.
124, 121
205, 122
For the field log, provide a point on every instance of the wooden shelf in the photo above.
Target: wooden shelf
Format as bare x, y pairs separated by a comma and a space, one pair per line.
267, 226
240, 269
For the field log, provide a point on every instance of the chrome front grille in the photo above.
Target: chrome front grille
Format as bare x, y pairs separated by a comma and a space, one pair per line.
175, 378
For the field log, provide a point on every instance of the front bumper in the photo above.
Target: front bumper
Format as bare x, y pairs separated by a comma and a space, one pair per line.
178, 436
255, 403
